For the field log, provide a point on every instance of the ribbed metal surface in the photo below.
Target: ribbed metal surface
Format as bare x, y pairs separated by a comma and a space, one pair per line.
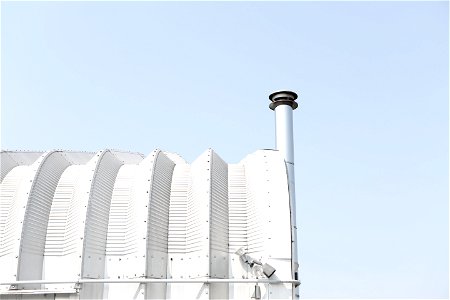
11, 159
219, 227
178, 208
119, 215
198, 208
237, 201
47, 170
219, 204
9, 207
7, 163
158, 224
40, 201
158, 216
58, 240
122, 230
99, 203
15, 189
25, 226
97, 217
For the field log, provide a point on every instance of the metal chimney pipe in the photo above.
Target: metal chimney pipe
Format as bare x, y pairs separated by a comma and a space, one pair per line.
283, 103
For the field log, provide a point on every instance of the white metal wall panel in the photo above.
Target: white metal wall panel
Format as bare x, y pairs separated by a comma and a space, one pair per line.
105, 167
278, 202
256, 204
158, 224
267, 184
64, 240
197, 233
125, 248
122, 227
24, 230
47, 173
132, 158
78, 158
158, 216
98, 208
57, 241
237, 199
6, 164
25, 157
9, 208
11, 159
115, 215
219, 226
181, 182
219, 210
238, 223
176, 158
14, 192
192, 260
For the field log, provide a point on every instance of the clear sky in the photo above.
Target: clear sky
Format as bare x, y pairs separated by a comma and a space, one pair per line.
371, 130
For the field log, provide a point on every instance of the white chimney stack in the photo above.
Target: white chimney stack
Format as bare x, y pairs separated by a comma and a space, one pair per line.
283, 103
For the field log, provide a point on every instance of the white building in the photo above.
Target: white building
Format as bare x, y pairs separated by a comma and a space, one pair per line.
116, 225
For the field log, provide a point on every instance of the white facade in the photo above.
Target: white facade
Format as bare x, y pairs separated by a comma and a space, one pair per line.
115, 225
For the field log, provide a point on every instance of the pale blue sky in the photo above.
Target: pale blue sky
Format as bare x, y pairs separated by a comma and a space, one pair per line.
371, 131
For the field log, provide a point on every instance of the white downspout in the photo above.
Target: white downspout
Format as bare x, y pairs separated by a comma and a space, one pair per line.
283, 103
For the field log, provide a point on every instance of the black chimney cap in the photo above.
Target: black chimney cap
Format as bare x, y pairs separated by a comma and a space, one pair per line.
283, 97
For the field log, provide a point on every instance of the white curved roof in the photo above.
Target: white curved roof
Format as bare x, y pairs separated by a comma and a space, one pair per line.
66, 216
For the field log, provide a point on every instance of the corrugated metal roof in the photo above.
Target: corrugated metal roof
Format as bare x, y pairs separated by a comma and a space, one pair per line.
66, 216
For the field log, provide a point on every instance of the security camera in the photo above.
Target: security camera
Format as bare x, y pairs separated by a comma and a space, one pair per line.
255, 264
